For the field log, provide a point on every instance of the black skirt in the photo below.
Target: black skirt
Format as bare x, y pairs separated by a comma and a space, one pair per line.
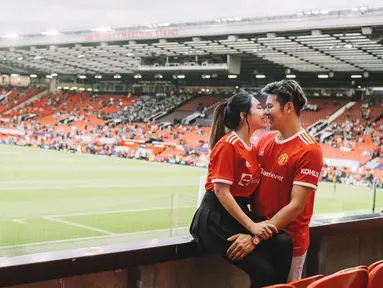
212, 224
269, 263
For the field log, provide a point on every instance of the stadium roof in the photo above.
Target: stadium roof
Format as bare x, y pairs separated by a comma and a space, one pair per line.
346, 50
40, 15
340, 52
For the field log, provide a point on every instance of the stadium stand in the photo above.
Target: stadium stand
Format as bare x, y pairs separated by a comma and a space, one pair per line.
16, 97
280, 286
354, 278
95, 124
351, 269
373, 265
72, 208
376, 277
354, 138
305, 282
201, 103
147, 108
325, 107
362, 112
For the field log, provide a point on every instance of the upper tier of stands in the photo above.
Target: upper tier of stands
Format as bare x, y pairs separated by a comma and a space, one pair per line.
325, 107
354, 139
362, 112
96, 109
16, 97
147, 107
191, 106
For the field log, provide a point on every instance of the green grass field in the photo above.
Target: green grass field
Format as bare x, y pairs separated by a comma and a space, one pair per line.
51, 200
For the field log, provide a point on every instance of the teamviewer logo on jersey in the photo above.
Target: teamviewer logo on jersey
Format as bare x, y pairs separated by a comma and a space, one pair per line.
245, 179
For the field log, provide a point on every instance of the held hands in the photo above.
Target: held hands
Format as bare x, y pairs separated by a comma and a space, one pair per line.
243, 245
264, 230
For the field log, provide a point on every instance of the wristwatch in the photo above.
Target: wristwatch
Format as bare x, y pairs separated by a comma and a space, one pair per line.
255, 239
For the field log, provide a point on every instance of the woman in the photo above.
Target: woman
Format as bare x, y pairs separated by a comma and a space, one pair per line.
233, 176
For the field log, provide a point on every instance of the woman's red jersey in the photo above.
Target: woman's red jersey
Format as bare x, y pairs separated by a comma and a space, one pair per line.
234, 163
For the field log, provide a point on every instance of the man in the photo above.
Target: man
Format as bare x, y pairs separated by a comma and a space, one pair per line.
291, 161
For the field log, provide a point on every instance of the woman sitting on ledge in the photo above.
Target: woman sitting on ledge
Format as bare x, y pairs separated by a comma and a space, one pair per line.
233, 176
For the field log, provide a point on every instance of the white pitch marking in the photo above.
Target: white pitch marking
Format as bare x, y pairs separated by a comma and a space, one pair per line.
20, 221
78, 225
95, 186
87, 238
116, 211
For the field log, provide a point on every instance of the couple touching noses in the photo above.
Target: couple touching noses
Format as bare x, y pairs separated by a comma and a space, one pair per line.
277, 178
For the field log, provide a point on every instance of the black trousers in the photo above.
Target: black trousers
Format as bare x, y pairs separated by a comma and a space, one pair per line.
269, 263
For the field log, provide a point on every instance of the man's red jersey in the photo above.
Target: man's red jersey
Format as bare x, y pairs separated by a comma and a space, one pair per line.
235, 163
297, 160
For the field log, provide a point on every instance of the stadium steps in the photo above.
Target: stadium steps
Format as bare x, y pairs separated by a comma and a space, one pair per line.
379, 118
326, 108
341, 112
326, 114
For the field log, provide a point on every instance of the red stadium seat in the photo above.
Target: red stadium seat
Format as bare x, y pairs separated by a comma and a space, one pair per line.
364, 267
373, 265
357, 278
303, 283
376, 277
280, 286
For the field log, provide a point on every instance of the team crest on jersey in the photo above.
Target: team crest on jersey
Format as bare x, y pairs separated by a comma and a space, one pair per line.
282, 160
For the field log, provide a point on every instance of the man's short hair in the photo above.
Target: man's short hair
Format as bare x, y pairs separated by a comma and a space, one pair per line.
287, 91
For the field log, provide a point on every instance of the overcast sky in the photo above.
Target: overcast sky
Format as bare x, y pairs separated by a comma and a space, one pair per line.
35, 16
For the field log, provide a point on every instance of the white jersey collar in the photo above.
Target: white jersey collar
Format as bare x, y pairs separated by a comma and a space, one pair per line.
283, 141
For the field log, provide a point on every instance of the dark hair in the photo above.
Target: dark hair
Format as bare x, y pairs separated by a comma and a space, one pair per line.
227, 114
287, 91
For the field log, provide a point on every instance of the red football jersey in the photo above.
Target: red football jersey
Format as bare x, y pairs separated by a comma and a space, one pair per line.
297, 160
235, 163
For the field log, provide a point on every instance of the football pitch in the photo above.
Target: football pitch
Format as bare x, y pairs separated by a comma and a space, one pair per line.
52, 200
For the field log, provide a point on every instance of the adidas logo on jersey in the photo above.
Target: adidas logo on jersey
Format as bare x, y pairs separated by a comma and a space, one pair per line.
261, 153
248, 164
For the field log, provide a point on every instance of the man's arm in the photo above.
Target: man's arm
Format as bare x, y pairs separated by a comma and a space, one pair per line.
299, 197
243, 244
305, 182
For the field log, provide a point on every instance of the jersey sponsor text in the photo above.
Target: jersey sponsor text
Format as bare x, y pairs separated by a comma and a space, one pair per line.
311, 172
271, 175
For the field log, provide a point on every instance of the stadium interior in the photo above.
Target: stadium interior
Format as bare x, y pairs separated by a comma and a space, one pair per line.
105, 132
